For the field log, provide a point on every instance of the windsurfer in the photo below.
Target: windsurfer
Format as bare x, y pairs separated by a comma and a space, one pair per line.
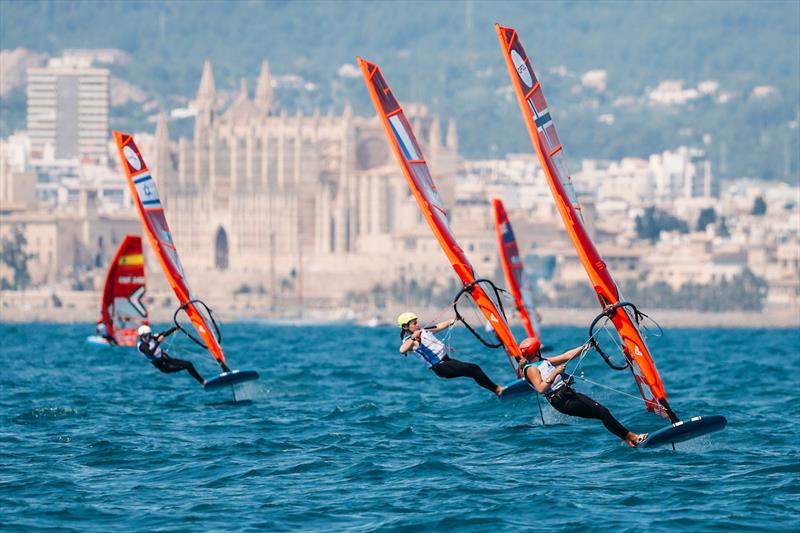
150, 346
102, 331
544, 375
433, 352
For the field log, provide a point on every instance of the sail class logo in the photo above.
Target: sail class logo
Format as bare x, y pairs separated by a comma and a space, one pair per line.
522, 68
132, 157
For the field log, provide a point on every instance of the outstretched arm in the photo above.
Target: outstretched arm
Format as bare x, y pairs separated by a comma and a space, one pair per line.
442, 326
164, 334
566, 356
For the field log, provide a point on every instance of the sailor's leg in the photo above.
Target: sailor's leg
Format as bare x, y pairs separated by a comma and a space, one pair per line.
453, 368
576, 404
169, 365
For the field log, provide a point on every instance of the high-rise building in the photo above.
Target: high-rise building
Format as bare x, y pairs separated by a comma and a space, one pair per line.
68, 104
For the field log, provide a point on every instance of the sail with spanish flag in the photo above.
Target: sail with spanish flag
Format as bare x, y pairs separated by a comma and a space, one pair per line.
411, 160
122, 308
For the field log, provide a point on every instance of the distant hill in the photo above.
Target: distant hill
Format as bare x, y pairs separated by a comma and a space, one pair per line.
446, 55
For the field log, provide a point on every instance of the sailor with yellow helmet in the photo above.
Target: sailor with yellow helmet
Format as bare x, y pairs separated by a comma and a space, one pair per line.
433, 352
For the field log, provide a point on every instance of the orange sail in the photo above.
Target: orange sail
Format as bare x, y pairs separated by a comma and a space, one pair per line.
122, 308
518, 282
551, 157
148, 204
409, 156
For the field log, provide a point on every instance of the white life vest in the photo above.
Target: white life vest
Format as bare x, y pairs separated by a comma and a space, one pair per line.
431, 350
152, 347
546, 368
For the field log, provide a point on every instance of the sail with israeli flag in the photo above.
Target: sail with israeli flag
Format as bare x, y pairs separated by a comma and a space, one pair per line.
148, 204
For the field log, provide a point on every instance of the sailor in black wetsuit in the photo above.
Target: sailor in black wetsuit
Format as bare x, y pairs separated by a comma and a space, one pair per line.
545, 378
149, 345
102, 331
433, 352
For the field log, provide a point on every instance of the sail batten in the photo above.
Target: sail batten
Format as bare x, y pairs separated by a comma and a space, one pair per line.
411, 160
547, 145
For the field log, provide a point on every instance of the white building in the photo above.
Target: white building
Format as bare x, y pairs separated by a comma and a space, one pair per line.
68, 104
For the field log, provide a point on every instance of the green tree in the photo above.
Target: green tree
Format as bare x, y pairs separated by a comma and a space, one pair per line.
722, 229
652, 222
13, 255
707, 216
759, 206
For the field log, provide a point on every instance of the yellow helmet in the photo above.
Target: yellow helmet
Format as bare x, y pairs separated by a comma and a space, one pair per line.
405, 318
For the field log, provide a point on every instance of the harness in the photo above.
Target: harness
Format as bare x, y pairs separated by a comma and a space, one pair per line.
426, 353
550, 393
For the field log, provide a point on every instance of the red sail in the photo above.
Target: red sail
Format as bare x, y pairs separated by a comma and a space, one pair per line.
409, 156
123, 310
145, 195
548, 147
514, 270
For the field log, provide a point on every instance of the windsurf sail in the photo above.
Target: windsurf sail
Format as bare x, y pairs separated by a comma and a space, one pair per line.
542, 130
409, 156
148, 204
518, 282
123, 310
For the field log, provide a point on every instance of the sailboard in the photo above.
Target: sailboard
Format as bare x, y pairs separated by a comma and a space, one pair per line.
122, 308
518, 283
151, 212
624, 316
412, 162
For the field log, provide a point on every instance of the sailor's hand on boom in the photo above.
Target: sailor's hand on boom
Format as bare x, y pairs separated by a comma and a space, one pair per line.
167, 333
441, 326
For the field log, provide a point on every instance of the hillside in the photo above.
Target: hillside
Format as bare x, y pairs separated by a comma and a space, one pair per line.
446, 55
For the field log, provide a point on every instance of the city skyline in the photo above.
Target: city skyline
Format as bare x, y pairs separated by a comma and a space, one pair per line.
353, 201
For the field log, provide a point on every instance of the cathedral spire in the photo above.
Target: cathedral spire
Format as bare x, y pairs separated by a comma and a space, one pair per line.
205, 102
243, 96
206, 93
435, 135
452, 135
264, 95
162, 130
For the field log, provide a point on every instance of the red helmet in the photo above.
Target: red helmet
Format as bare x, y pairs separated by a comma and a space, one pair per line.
530, 346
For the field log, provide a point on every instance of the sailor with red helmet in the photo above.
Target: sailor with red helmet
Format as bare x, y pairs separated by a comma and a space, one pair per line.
545, 376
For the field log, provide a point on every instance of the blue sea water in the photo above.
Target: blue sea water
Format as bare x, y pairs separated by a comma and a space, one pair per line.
343, 433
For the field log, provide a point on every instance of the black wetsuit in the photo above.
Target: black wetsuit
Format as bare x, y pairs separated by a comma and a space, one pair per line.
164, 362
452, 368
571, 402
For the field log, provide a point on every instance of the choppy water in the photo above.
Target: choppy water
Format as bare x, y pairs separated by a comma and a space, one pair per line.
343, 433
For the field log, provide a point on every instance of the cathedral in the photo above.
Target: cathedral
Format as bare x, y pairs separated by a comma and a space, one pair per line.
259, 190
